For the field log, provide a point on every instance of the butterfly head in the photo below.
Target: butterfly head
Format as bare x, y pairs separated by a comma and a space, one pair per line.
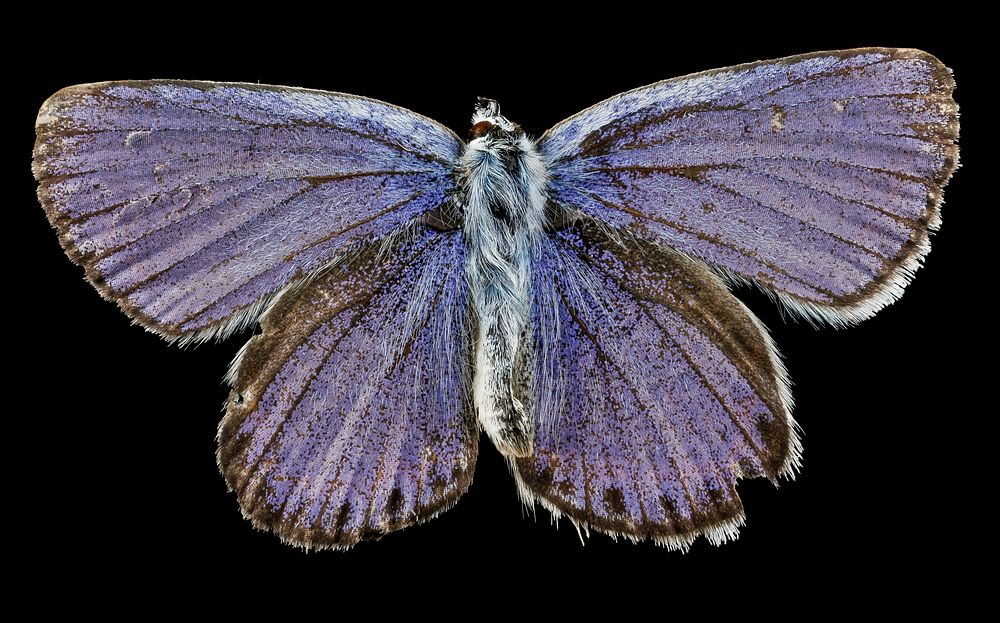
488, 122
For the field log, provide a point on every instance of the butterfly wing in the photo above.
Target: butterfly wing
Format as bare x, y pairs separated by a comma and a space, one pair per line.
817, 177
350, 414
654, 389
192, 204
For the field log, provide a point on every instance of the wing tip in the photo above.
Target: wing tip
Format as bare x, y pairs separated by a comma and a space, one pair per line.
50, 118
921, 55
50, 112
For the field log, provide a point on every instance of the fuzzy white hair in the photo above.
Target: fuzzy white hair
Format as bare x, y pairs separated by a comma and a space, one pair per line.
504, 180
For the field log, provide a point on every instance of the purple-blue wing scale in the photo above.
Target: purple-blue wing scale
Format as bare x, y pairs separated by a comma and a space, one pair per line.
816, 177
193, 204
350, 414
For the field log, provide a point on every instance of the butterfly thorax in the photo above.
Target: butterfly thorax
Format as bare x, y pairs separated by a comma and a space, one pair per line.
502, 182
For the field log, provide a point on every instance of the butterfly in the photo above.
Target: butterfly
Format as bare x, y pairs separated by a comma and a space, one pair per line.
567, 296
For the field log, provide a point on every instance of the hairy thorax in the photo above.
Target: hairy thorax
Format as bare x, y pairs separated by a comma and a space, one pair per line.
502, 195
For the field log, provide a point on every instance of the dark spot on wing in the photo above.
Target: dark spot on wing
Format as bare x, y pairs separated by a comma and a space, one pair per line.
614, 501
394, 503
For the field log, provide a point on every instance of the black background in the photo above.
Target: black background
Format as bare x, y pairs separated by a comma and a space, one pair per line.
122, 426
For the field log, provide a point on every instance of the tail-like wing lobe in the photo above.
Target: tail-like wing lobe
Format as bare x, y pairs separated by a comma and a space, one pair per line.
654, 391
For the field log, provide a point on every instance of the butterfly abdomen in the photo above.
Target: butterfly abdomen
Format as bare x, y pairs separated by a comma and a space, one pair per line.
503, 183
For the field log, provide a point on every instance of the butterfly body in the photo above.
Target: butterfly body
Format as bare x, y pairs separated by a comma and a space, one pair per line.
502, 182
569, 296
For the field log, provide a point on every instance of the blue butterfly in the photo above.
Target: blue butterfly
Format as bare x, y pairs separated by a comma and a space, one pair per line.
568, 296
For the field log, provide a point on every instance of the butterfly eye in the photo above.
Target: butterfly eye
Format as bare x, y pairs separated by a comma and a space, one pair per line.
480, 129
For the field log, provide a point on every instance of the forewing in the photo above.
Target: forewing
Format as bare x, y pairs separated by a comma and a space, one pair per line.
191, 204
817, 177
654, 390
350, 415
